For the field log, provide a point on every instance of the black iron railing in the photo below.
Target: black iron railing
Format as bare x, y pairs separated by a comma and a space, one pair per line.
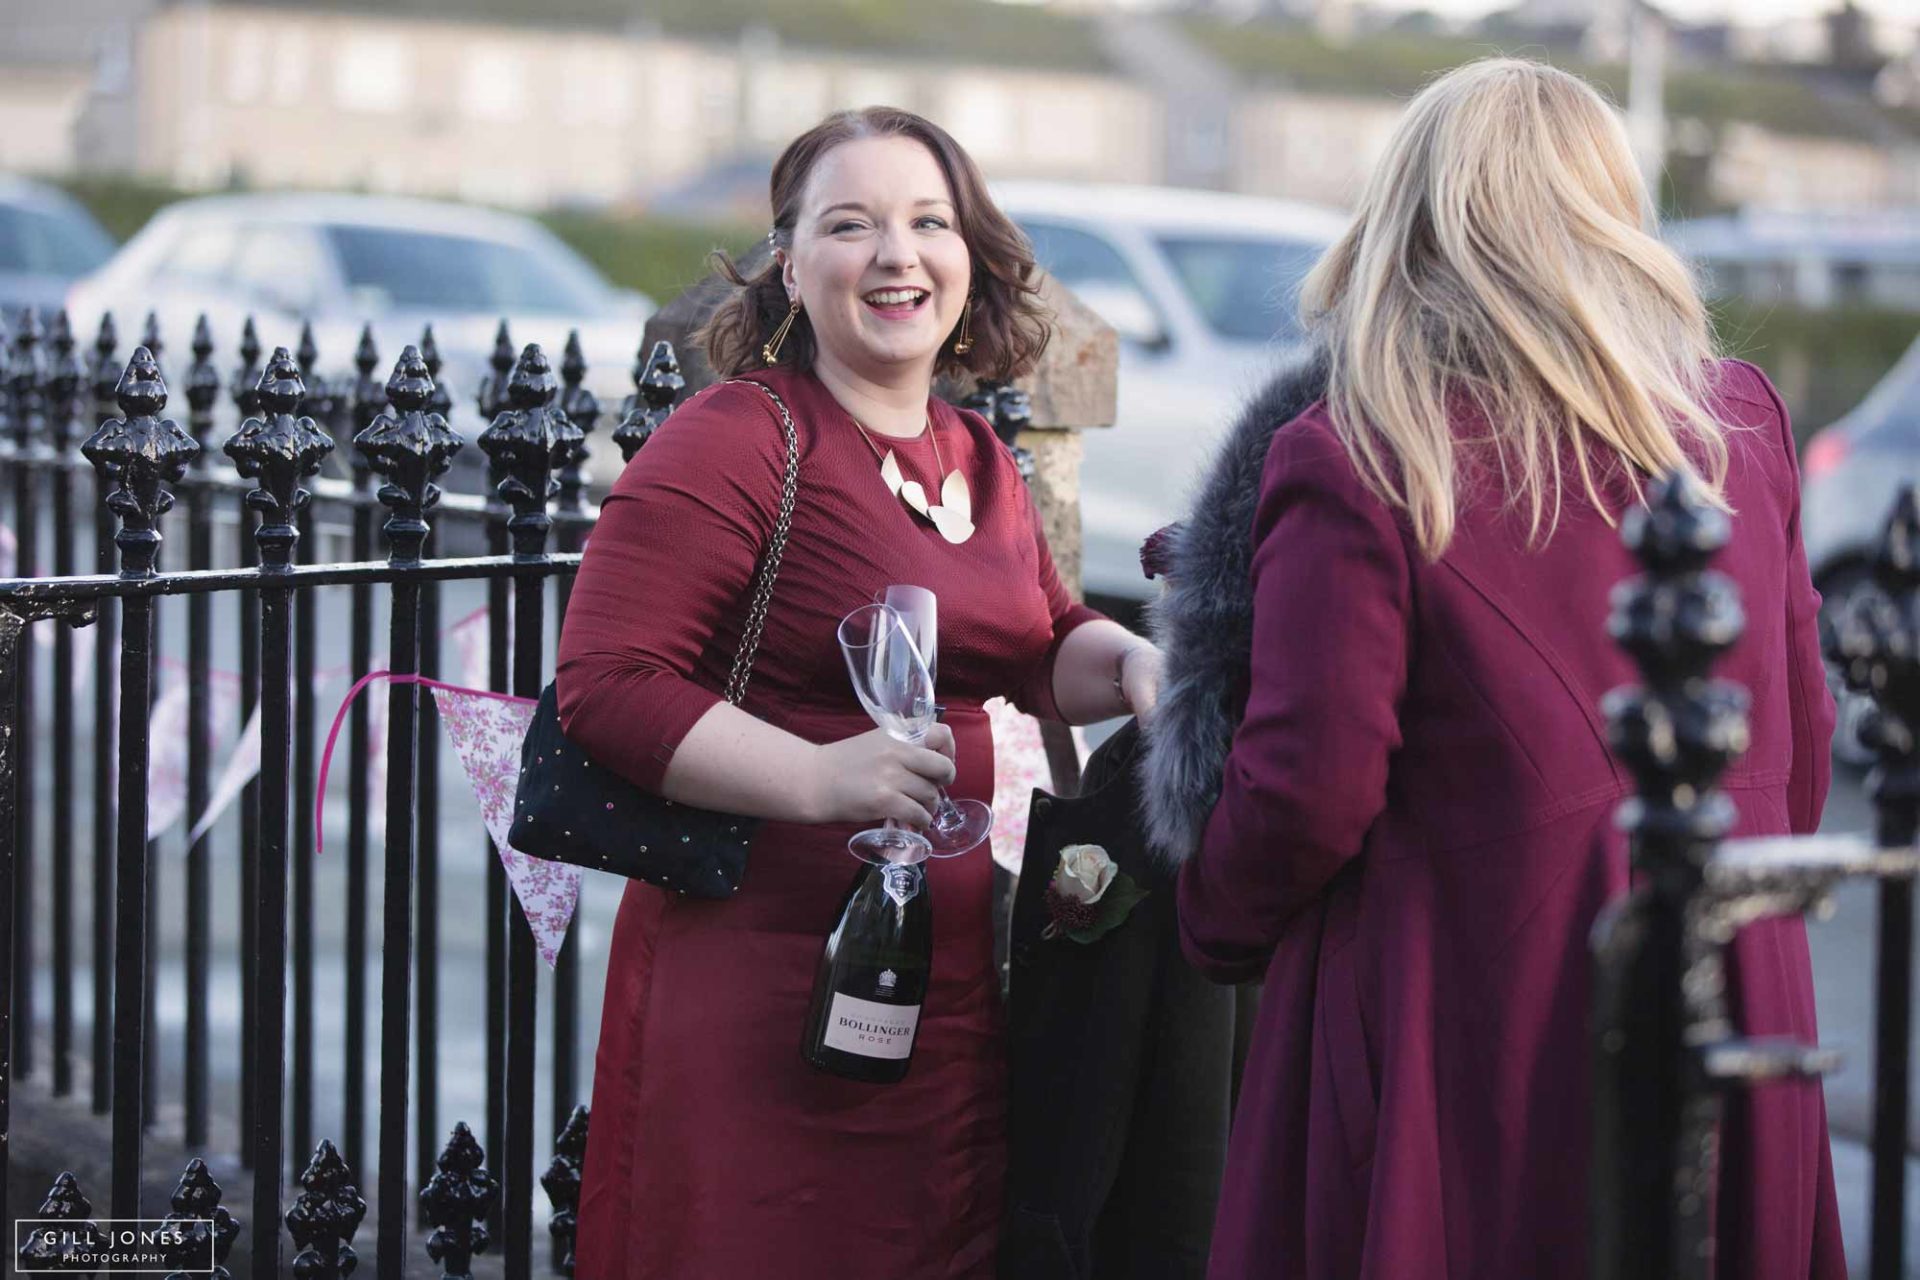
60, 424
1666, 1052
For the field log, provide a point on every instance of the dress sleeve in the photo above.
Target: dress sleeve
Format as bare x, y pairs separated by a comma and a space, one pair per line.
1811, 701
1307, 774
1035, 694
670, 560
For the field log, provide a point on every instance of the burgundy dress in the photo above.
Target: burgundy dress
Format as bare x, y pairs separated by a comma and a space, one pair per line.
714, 1150
1414, 837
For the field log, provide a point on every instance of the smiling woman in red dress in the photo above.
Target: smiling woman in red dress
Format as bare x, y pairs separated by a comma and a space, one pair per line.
716, 1153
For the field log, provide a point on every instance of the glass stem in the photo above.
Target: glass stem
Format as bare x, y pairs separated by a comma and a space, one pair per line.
945, 811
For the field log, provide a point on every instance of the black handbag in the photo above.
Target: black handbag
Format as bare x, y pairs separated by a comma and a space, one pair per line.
569, 808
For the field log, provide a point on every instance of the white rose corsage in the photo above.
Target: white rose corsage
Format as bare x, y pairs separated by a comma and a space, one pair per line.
1088, 895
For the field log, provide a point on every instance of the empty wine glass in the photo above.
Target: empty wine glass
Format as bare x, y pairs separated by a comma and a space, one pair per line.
958, 825
892, 683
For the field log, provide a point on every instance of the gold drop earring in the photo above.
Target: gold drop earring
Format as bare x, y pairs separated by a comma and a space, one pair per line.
965, 344
770, 352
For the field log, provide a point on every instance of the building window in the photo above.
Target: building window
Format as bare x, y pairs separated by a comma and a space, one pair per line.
493, 84
370, 74
287, 80
982, 119
247, 65
596, 88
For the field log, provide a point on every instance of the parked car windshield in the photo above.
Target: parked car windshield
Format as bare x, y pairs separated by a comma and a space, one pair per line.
1245, 289
429, 271
42, 244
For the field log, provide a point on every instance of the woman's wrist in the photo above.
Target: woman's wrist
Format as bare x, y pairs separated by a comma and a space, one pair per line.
1120, 661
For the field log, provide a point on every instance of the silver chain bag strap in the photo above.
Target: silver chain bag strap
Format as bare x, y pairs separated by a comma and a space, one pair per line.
570, 808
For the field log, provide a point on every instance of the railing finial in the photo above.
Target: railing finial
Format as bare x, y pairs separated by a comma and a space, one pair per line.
203, 380
198, 1213
26, 379
457, 1201
103, 371
324, 1218
246, 378
279, 449
442, 402
526, 442
139, 452
657, 385
63, 381
151, 340
410, 447
492, 395
562, 1183
1875, 643
582, 408
65, 1202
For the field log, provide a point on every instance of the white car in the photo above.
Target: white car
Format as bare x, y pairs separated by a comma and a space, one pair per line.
1201, 287
342, 261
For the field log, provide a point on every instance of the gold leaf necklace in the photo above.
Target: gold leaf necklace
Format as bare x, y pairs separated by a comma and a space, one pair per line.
953, 517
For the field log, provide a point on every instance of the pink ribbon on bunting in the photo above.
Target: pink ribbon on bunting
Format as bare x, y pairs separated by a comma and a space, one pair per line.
339, 717
486, 729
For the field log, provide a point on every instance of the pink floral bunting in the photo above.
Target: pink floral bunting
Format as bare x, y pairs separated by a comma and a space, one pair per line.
486, 729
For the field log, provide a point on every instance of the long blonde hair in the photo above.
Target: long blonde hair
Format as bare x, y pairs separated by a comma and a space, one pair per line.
1502, 260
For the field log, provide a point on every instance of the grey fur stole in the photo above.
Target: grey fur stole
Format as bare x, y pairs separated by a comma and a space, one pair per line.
1203, 621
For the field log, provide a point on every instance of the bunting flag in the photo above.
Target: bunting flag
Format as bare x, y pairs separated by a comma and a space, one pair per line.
169, 754
486, 730
472, 645
167, 768
241, 765
1019, 765
167, 736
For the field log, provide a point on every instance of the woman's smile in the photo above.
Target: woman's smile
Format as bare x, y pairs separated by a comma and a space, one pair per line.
897, 304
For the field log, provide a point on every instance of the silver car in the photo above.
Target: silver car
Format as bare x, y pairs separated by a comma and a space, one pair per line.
47, 241
1850, 474
342, 261
1201, 287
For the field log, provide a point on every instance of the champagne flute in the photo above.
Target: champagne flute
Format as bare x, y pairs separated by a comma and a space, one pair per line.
958, 825
892, 683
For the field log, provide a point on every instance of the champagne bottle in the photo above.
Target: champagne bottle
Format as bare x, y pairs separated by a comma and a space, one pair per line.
873, 976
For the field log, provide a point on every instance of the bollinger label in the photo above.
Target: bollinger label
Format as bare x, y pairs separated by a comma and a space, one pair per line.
871, 1029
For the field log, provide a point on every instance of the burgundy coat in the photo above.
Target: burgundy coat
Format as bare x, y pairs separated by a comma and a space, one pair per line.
1414, 835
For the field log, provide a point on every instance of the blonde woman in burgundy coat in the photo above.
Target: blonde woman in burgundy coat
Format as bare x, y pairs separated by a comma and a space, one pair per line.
1412, 832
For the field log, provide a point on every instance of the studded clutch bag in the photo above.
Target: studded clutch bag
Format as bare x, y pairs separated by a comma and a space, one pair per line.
570, 808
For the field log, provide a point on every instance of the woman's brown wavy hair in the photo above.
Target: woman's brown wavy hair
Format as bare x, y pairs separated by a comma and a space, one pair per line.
1009, 325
